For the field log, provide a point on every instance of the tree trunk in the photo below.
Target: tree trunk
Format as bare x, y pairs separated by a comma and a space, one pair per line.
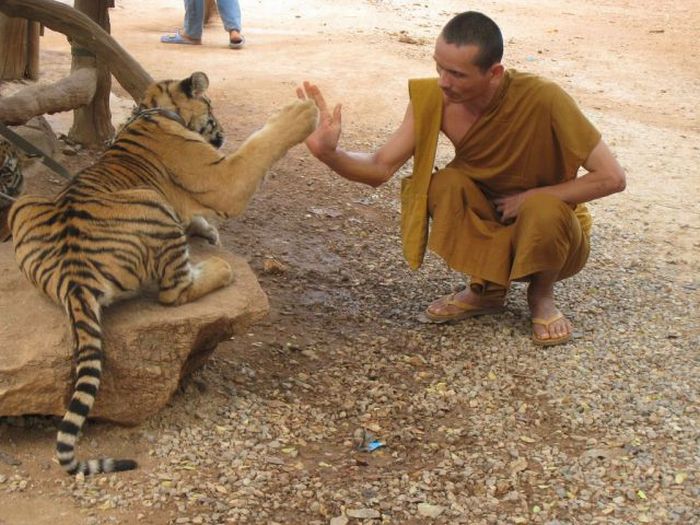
19, 49
92, 124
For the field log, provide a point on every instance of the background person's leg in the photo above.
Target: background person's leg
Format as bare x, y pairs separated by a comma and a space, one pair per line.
194, 19
230, 12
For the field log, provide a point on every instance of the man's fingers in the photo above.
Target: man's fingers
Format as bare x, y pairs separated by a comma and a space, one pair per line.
336, 113
313, 92
300, 94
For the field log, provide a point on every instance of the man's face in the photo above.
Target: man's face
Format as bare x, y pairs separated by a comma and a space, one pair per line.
460, 80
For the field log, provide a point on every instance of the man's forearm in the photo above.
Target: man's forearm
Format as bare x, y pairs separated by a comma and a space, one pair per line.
357, 167
588, 187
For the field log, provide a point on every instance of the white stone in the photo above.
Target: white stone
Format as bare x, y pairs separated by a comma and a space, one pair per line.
430, 511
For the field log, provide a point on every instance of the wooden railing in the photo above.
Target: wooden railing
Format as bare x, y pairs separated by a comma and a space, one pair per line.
96, 56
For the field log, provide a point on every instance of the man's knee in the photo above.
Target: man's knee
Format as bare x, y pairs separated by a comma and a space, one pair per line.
548, 236
545, 218
546, 210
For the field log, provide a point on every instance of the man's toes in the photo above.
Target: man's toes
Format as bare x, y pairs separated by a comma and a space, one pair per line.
542, 332
560, 328
439, 308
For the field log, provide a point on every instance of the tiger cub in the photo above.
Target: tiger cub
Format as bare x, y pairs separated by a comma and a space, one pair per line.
11, 181
122, 223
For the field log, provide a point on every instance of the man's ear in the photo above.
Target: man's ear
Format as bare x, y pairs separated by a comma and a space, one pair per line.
497, 70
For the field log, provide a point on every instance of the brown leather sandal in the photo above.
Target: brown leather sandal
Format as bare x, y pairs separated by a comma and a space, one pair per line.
464, 310
550, 341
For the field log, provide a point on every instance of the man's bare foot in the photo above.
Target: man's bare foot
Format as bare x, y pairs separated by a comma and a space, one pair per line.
549, 324
462, 304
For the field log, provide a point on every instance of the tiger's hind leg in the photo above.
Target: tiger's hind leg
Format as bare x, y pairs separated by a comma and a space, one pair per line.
182, 282
179, 280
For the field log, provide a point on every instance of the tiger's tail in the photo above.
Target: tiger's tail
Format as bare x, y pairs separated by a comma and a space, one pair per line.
84, 312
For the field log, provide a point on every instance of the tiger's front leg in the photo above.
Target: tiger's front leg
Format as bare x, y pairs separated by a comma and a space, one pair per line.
200, 227
243, 170
232, 180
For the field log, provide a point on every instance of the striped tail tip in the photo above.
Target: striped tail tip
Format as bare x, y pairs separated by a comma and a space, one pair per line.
99, 466
120, 465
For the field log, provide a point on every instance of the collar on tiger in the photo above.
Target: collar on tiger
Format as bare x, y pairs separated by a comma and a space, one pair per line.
140, 112
165, 112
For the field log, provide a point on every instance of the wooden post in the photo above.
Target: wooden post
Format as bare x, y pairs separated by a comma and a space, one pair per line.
92, 124
19, 49
34, 31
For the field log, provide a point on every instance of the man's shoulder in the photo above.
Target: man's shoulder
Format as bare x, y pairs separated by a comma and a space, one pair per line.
533, 87
530, 81
517, 75
425, 83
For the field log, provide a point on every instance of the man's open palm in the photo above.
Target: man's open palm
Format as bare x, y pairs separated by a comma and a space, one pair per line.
324, 139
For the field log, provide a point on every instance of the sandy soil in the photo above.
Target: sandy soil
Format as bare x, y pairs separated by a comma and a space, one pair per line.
632, 66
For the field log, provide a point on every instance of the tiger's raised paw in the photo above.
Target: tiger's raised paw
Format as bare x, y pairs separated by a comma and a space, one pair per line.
294, 122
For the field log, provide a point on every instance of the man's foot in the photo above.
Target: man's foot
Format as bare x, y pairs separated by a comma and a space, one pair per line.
236, 39
460, 305
549, 326
180, 38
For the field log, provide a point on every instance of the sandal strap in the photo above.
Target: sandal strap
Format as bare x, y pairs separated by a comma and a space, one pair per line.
547, 322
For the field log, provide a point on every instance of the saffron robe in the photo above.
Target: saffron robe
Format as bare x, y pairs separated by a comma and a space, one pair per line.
532, 134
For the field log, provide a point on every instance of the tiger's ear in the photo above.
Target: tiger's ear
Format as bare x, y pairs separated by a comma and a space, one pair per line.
196, 85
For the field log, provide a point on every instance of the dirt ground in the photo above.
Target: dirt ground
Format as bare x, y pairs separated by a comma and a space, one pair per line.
344, 308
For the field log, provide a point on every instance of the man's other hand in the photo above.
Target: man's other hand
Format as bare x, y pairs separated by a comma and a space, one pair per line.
509, 207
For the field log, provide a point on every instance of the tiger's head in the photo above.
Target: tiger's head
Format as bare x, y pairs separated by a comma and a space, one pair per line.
12, 159
11, 182
187, 98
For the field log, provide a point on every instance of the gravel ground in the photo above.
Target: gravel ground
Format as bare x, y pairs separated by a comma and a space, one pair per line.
477, 424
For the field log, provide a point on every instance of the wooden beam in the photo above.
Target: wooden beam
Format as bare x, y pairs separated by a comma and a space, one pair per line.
86, 34
68, 93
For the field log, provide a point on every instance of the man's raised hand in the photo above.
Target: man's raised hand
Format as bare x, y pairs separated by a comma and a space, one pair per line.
324, 140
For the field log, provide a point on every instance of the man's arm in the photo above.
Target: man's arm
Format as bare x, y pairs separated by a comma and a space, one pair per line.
373, 169
605, 176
